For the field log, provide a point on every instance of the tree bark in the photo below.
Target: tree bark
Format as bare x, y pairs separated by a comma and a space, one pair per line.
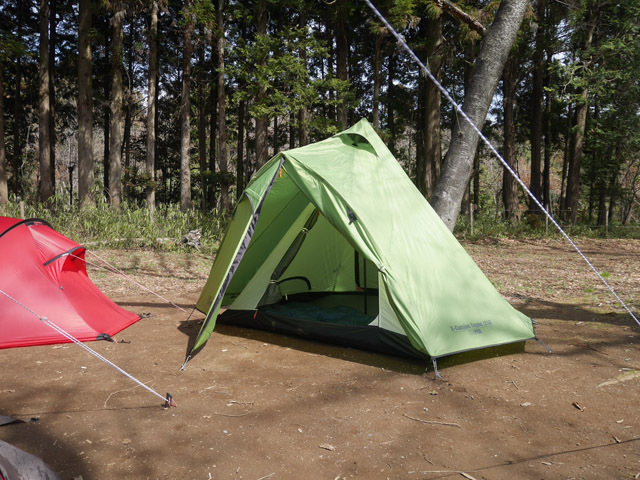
53, 38
213, 120
262, 121
117, 96
577, 137
150, 163
464, 140
85, 108
376, 77
537, 100
342, 53
240, 170
222, 114
185, 114
4, 188
509, 186
128, 117
44, 129
430, 161
16, 160
202, 123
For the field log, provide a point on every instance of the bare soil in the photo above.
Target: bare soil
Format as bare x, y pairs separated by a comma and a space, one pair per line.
254, 405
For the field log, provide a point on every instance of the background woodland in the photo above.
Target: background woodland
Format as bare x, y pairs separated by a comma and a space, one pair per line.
148, 104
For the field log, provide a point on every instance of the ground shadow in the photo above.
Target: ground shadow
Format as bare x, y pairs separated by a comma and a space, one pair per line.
32, 438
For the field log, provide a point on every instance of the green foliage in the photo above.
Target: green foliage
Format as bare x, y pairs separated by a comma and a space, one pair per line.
127, 227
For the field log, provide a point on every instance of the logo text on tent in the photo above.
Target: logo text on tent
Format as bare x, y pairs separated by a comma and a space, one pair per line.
476, 327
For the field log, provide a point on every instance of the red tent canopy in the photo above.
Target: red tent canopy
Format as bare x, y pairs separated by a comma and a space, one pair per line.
46, 272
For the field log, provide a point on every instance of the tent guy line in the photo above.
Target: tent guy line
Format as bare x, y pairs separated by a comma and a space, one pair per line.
458, 108
169, 402
113, 269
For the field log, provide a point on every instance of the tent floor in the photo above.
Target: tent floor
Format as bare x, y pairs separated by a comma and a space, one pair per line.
334, 318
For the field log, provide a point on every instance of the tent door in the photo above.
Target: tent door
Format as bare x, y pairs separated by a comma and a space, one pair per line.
273, 294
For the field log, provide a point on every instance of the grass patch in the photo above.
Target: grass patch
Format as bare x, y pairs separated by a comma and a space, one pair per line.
130, 226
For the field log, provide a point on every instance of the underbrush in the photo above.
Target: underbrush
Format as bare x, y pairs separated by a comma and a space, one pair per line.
533, 226
130, 226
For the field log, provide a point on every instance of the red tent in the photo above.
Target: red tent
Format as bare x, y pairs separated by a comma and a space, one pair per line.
46, 272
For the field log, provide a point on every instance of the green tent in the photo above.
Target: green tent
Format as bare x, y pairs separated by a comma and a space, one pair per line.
332, 241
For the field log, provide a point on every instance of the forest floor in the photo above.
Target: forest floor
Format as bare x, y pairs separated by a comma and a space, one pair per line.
254, 405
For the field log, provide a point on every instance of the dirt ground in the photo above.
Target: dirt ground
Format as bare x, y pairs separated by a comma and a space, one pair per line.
254, 405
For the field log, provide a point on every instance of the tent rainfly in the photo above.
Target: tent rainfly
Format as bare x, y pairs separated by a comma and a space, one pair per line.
45, 272
332, 241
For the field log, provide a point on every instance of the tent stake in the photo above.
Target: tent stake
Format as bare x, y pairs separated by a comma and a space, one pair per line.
543, 344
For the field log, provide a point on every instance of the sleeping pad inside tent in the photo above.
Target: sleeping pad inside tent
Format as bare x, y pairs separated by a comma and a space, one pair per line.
43, 273
332, 241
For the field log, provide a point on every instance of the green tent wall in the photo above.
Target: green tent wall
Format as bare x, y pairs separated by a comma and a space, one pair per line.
340, 223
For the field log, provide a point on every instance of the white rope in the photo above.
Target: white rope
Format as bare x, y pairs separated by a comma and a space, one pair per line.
458, 108
67, 335
115, 270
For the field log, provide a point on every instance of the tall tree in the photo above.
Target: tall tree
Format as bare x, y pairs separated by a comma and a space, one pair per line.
458, 163
117, 97
152, 80
85, 108
262, 121
202, 118
44, 119
509, 185
576, 141
18, 116
342, 59
4, 191
537, 101
222, 109
429, 161
53, 39
185, 106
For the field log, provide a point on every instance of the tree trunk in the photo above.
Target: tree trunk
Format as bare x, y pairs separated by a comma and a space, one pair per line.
376, 77
150, 164
44, 129
342, 53
213, 122
537, 99
261, 121
4, 188
222, 114
128, 118
202, 123
303, 113
240, 170
106, 122
464, 140
509, 186
53, 38
85, 108
185, 114
548, 145
391, 117
16, 160
577, 138
117, 96
430, 162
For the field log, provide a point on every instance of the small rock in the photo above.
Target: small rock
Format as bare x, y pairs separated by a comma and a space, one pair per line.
525, 404
327, 446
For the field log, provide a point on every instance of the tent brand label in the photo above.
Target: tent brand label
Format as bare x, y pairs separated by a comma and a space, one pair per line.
476, 327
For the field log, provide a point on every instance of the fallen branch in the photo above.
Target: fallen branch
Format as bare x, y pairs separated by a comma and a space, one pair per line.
432, 422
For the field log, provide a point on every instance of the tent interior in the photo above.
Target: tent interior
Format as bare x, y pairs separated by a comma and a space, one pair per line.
305, 278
